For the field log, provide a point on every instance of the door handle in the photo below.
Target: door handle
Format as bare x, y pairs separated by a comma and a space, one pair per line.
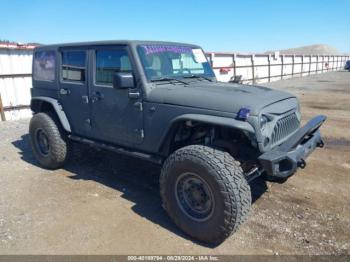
64, 91
134, 95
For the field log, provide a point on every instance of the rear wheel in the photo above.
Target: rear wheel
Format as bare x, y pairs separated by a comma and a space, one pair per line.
204, 192
49, 142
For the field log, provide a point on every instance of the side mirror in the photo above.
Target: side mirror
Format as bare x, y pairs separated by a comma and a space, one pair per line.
123, 80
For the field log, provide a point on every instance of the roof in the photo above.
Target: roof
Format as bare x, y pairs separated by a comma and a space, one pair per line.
113, 42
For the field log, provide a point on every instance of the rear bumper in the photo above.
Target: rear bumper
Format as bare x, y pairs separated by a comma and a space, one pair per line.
284, 160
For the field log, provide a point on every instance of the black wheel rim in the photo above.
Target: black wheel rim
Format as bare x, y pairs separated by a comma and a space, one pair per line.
42, 142
194, 197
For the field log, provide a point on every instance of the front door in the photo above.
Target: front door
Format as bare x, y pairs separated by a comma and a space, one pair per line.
74, 89
116, 116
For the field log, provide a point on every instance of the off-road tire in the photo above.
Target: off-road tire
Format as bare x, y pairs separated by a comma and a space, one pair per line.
226, 180
58, 144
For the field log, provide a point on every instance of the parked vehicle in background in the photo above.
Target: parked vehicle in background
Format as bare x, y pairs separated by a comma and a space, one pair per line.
347, 65
160, 101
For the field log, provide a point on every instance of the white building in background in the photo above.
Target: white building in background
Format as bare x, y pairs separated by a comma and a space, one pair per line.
15, 79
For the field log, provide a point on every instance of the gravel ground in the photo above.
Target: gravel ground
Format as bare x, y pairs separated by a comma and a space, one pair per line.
103, 203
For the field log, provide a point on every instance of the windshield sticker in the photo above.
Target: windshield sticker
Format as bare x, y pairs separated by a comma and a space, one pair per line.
199, 56
151, 49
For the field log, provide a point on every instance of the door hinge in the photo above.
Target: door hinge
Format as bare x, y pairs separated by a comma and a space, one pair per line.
85, 99
88, 122
140, 132
139, 106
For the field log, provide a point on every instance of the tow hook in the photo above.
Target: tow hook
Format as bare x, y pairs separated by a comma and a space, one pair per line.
302, 163
320, 144
252, 174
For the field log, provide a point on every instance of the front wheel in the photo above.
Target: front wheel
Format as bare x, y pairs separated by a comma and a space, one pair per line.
205, 192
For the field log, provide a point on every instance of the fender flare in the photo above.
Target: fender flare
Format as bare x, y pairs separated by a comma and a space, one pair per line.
208, 119
58, 109
216, 120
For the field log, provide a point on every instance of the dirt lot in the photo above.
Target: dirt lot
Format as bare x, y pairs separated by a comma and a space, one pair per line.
102, 203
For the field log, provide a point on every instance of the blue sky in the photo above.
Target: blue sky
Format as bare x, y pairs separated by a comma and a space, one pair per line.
240, 26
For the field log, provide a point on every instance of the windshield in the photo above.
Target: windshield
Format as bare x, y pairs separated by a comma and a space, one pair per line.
173, 61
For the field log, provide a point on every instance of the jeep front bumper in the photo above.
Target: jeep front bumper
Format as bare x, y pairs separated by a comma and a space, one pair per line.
283, 161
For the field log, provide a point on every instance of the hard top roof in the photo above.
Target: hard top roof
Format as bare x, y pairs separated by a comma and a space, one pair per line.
112, 42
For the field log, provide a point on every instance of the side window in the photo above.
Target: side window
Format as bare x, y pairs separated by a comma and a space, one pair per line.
44, 65
73, 66
108, 62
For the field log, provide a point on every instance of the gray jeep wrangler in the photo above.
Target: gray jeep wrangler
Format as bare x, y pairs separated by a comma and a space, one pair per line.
161, 102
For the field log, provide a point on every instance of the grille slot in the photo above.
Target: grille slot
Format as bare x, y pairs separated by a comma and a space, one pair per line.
284, 127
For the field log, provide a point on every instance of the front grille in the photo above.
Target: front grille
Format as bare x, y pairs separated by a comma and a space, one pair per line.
284, 127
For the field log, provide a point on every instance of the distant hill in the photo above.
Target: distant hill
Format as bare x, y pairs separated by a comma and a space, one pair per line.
309, 50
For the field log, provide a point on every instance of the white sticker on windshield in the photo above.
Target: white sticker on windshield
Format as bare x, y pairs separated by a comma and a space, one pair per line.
199, 55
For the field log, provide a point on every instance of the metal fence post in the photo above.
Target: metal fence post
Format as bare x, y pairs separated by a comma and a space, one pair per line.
234, 65
2, 113
211, 57
302, 65
282, 64
337, 63
310, 64
269, 67
332, 64
328, 64
253, 69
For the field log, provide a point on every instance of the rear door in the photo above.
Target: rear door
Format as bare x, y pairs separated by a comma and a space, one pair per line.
74, 89
116, 114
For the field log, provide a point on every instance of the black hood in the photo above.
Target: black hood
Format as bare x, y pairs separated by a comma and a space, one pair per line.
217, 96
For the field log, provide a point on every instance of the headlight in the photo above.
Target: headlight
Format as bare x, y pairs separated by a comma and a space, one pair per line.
298, 113
263, 120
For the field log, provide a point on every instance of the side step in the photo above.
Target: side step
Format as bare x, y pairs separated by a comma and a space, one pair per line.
117, 149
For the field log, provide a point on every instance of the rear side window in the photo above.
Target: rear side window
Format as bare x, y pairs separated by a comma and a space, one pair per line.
110, 61
44, 65
73, 66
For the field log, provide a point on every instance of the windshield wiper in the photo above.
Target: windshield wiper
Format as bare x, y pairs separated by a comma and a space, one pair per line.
169, 79
198, 76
